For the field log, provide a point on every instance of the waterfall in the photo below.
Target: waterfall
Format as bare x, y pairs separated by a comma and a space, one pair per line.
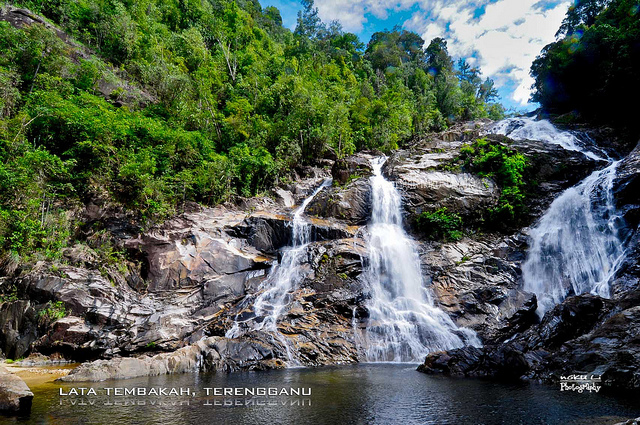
404, 324
577, 245
527, 128
274, 294
290, 270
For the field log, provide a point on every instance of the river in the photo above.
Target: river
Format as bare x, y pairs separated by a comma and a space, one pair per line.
357, 394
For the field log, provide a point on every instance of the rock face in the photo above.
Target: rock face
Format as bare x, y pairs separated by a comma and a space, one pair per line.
427, 189
627, 187
185, 283
194, 265
19, 327
351, 204
315, 328
428, 181
584, 334
210, 354
478, 284
109, 319
15, 396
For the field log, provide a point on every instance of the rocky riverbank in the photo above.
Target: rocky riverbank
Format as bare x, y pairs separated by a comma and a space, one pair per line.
585, 334
169, 305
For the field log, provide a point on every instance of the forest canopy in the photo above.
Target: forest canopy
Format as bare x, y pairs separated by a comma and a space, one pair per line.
150, 104
593, 69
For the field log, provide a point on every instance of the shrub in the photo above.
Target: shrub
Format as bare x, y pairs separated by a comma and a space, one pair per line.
440, 224
507, 168
52, 312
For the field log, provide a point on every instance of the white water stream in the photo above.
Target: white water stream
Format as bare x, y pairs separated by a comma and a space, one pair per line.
404, 324
275, 292
577, 246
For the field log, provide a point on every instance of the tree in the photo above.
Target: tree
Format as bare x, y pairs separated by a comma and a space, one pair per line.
581, 12
394, 48
588, 69
309, 25
487, 91
438, 60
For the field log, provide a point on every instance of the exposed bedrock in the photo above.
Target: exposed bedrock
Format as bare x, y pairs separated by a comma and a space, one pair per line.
584, 334
185, 282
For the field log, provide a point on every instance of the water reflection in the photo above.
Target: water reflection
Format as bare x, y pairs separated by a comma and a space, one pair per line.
360, 394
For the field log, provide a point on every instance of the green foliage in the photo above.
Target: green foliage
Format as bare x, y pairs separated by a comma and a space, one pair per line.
179, 101
507, 168
52, 312
593, 63
440, 224
9, 294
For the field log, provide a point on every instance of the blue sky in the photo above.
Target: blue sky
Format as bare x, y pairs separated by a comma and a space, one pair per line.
502, 37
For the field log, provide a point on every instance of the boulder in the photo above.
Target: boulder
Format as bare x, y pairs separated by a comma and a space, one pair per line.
18, 327
354, 166
15, 395
350, 203
285, 197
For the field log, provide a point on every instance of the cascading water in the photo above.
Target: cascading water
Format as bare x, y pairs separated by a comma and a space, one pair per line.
528, 128
283, 279
577, 246
404, 324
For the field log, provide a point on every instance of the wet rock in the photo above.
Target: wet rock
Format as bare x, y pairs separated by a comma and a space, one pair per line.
15, 395
570, 319
584, 334
269, 232
210, 354
627, 187
265, 232
285, 197
479, 285
18, 327
351, 203
316, 326
635, 421
428, 180
351, 167
506, 362
426, 189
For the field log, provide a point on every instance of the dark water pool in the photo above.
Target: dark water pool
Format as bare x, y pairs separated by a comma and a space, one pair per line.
361, 394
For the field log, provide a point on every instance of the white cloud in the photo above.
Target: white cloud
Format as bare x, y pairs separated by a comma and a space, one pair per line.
503, 41
351, 14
